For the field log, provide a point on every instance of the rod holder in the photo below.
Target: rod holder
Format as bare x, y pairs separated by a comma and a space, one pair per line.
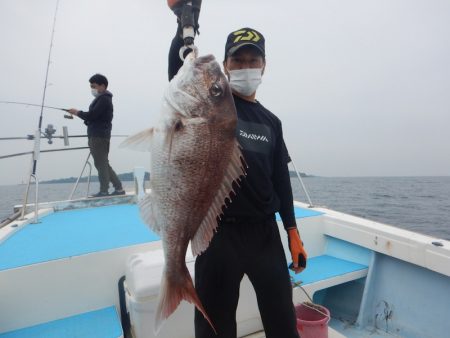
66, 136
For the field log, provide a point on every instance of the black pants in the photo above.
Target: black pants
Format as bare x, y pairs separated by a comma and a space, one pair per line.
99, 147
240, 248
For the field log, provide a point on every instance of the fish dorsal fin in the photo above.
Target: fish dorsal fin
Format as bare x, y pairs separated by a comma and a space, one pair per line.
141, 141
204, 234
148, 214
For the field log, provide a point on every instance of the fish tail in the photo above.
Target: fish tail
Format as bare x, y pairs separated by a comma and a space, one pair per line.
172, 293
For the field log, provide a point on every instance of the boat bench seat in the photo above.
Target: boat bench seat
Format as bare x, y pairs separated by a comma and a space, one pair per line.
326, 271
102, 323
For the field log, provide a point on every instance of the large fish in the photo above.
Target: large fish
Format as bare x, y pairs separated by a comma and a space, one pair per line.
195, 158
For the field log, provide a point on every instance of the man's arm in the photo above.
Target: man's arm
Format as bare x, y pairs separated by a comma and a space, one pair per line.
95, 112
175, 62
282, 185
283, 188
284, 191
186, 17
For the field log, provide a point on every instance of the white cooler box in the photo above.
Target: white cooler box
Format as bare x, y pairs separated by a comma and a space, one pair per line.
142, 284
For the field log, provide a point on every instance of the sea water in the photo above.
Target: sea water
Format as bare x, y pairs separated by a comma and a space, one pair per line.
420, 204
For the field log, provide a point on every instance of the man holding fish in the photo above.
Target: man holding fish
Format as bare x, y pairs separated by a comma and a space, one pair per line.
247, 240
218, 176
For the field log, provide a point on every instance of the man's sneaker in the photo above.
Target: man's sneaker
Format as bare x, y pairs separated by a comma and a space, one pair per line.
118, 192
99, 194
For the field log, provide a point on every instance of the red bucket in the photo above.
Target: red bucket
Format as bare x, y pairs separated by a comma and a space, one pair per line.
310, 322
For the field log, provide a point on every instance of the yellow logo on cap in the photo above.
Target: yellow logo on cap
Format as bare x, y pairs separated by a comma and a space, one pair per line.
244, 35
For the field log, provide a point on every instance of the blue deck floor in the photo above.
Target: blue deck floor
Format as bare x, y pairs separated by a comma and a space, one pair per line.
81, 231
73, 233
102, 323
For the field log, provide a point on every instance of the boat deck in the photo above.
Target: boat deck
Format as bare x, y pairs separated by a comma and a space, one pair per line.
331, 334
77, 232
335, 334
73, 233
100, 323
352, 261
68, 239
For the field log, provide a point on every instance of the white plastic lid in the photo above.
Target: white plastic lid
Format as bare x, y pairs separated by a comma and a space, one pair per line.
144, 272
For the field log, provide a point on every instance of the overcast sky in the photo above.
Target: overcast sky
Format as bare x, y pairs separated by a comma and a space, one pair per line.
362, 87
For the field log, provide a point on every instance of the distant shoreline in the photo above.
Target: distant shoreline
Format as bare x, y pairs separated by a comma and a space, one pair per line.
128, 177
94, 178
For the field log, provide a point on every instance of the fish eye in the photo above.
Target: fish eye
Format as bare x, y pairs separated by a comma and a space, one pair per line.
215, 90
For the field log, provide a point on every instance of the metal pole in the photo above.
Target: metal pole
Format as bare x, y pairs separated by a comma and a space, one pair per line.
78, 179
37, 140
36, 182
89, 178
25, 201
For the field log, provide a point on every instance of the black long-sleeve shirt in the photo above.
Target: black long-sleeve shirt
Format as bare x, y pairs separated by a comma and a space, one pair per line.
266, 189
99, 117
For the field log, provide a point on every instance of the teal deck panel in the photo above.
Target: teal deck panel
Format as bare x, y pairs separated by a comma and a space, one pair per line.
73, 233
324, 267
77, 232
302, 213
102, 323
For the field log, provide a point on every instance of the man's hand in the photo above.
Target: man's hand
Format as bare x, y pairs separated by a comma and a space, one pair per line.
186, 15
298, 252
73, 111
173, 3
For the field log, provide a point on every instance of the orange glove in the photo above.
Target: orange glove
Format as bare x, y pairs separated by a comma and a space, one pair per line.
298, 252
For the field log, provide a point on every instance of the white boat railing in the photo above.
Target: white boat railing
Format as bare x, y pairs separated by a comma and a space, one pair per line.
35, 155
79, 177
36, 206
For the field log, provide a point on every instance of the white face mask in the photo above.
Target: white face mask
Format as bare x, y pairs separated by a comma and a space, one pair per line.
245, 81
94, 92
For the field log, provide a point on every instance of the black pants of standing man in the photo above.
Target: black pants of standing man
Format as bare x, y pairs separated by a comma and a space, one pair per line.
252, 248
99, 147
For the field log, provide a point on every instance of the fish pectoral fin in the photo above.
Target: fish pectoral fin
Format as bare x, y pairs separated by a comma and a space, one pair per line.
148, 214
141, 141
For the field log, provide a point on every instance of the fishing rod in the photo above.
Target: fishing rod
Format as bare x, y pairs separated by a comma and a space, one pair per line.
187, 12
38, 105
38, 132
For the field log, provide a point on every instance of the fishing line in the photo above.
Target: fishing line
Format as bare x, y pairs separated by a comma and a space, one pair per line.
38, 105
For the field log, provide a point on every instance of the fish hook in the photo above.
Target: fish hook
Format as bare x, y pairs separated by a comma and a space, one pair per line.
183, 49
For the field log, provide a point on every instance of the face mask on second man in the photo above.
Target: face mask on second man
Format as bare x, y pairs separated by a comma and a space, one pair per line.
245, 81
94, 92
